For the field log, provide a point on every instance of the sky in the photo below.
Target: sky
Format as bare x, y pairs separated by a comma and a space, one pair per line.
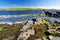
30, 3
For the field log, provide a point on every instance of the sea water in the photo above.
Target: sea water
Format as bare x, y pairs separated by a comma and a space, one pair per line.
13, 16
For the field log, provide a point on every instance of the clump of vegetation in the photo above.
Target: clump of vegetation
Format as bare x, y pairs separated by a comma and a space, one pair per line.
11, 31
40, 31
1, 28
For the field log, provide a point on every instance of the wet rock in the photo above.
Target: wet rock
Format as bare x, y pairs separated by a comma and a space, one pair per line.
50, 14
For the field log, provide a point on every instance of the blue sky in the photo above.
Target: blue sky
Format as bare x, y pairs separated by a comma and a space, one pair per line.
29, 3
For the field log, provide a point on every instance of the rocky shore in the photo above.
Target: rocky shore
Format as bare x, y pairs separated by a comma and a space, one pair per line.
37, 29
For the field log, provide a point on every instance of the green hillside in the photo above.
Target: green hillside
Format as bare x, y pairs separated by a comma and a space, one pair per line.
20, 8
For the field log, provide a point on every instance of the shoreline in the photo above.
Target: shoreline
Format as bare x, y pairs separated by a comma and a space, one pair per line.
22, 15
11, 22
17, 22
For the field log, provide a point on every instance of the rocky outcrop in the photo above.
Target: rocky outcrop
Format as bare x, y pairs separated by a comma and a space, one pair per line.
51, 14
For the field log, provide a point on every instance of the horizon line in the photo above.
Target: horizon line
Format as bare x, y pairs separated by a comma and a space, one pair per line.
34, 7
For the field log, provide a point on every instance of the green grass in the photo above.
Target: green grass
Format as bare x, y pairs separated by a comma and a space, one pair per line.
20, 8
1, 28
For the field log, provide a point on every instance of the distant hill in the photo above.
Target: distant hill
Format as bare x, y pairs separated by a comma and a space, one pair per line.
20, 8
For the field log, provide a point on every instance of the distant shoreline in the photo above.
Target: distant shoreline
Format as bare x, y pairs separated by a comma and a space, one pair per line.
17, 9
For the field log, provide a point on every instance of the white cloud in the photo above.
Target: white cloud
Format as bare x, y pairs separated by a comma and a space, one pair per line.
14, 5
45, 7
48, 7
52, 7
